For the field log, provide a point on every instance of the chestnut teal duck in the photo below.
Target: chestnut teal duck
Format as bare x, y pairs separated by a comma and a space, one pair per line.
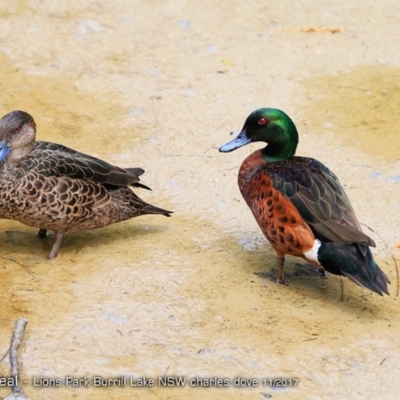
52, 187
300, 205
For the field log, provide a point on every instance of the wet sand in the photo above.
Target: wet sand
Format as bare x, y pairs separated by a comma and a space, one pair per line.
161, 87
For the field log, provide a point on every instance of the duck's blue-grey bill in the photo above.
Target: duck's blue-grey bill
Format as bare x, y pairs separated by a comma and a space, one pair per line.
4, 150
239, 141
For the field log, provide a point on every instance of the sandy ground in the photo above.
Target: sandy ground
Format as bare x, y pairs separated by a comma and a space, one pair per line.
161, 85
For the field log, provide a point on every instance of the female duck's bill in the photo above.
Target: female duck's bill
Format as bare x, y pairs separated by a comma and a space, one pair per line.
4, 150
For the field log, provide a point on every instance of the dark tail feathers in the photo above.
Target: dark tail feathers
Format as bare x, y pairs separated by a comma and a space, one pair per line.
149, 209
357, 264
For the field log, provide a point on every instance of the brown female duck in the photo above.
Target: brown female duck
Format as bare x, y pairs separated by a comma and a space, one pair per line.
50, 186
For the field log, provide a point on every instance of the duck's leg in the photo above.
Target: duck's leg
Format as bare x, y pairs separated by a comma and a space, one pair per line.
320, 269
42, 233
56, 245
281, 275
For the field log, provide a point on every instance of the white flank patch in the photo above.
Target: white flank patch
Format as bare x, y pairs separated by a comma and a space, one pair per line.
312, 254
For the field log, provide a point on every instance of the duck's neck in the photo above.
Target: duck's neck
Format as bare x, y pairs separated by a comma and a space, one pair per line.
284, 147
277, 152
20, 152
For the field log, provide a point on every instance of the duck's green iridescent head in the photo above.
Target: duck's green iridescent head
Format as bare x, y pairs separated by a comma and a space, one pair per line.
268, 125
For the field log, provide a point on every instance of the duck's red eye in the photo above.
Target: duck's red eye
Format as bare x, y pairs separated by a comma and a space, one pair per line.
262, 121
17, 128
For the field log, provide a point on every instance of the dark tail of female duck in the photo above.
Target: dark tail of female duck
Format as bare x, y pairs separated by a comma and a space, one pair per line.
149, 209
356, 262
140, 207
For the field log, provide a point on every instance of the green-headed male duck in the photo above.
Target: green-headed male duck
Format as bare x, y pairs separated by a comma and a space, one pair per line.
300, 205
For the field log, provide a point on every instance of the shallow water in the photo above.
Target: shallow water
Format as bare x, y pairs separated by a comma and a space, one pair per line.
160, 87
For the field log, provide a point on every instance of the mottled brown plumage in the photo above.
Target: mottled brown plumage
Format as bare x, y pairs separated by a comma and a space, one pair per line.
50, 186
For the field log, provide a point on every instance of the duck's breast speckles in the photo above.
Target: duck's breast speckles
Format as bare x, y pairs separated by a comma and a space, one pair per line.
277, 217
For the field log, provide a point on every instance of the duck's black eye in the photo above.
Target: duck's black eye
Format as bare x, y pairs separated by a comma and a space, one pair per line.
262, 121
17, 128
